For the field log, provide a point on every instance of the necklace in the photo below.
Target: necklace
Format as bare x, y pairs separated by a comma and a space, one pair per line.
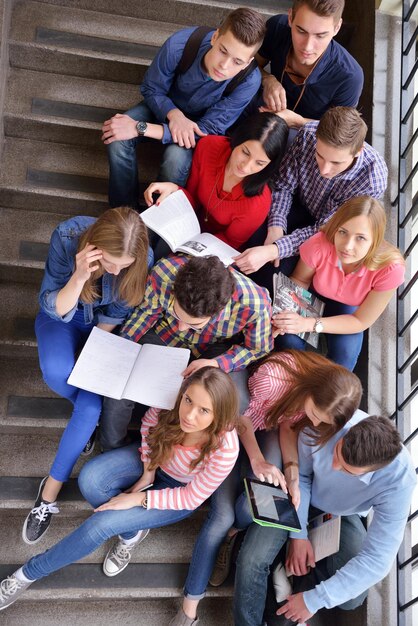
215, 206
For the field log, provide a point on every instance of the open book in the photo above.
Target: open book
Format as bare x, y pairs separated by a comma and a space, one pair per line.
324, 534
288, 296
176, 222
118, 368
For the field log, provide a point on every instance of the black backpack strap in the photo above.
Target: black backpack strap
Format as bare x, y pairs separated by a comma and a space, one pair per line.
237, 80
191, 49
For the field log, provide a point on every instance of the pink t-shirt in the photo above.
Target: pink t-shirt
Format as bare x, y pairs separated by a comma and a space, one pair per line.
268, 383
330, 281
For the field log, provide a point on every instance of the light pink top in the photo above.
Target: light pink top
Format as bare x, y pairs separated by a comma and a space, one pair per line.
330, 281
201, 481
268, 383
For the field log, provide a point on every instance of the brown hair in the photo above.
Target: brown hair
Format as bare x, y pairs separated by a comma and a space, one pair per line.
323, 8
167, 433
372, 442
203, 286
381, 252
119, 232
342, 127
333, 389
247, 25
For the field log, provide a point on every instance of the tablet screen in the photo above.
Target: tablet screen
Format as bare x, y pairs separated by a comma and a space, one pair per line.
271, 506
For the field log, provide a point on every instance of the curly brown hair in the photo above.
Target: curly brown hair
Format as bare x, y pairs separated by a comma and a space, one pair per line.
333, 389
167, 433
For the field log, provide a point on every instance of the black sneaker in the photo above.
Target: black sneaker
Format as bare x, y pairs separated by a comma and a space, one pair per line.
89, 447
38, 521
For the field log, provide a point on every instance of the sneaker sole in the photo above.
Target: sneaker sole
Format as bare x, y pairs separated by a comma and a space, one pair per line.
111, 574
25, 524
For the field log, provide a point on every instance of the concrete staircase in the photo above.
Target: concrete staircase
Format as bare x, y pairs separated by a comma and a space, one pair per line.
67, 66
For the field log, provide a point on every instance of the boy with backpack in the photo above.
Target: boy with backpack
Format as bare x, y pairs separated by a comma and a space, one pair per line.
198, 84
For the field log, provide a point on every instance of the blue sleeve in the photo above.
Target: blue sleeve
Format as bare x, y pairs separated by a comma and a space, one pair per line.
305, 484
221, 115
375, 559
349, 90
161, 73
59, 268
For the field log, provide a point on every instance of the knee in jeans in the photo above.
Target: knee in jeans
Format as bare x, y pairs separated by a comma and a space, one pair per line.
118, 149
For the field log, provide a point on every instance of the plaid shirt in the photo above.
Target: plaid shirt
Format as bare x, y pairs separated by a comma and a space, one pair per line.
299, 176
249, 311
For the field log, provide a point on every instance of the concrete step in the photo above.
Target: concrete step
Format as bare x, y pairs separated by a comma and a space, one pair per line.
60, 178
18, 328
191, 11
63, 109
24, 243
213, 611
84, 43
171, 544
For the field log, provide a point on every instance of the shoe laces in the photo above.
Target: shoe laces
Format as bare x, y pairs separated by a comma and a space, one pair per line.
9, 586
224, 550
41, 512
121, 552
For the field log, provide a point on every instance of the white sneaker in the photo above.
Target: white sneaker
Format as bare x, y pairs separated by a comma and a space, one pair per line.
120, 554
10, 589
281, 584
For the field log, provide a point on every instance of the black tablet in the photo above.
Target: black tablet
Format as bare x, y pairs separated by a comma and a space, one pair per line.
271, 506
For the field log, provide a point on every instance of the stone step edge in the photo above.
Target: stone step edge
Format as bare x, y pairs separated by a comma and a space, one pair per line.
139, 580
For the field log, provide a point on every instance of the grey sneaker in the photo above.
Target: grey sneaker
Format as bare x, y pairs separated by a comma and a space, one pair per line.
120, 554
223, 562
181, 619
38, 520
10, 589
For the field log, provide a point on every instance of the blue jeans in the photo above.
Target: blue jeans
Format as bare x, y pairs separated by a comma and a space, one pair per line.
123, 166
342, 349
102, 478
258, 551
58, 343
222, 516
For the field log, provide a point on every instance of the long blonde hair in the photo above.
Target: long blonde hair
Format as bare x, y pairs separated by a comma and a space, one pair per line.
333, 389
381, 252
167, 433
119, 232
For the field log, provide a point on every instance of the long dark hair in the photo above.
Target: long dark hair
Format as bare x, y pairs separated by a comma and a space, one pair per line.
272, 132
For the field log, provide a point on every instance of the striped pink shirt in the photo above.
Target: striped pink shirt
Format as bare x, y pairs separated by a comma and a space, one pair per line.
201, 481
268, 383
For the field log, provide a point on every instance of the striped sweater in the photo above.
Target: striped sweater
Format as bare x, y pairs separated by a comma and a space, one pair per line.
200, 482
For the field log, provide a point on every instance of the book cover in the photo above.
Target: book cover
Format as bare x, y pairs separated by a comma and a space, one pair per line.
288, 296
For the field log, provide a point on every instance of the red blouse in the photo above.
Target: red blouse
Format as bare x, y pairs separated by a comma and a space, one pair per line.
233, 217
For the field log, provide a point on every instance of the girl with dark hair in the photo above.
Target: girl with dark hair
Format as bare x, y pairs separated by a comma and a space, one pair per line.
354, 271
185, 455
229, 182
288, 391
95, 275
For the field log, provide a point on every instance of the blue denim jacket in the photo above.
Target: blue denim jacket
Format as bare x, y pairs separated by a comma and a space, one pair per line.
59, 268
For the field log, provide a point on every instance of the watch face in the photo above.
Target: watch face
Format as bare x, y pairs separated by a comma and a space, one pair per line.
318, 327
141, 127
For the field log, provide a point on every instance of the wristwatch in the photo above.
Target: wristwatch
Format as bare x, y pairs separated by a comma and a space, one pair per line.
141, 128
318, 326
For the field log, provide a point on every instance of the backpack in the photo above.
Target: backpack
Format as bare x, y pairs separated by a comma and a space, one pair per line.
189, 54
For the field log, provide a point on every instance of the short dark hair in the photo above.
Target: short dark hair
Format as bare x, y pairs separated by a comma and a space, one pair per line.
342, 127
323, 8
247, 25
374, 441
203, 286
272, 132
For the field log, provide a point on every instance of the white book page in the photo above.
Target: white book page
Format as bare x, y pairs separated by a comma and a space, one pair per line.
156, 377
206, 244
174, 219
325, 535
105, 364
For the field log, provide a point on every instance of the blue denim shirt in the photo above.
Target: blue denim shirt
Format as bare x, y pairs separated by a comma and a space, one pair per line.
60, 266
